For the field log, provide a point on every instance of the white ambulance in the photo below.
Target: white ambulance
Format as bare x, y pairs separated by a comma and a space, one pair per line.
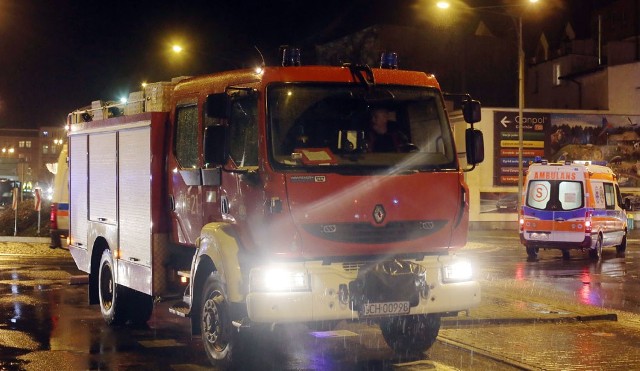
572, 205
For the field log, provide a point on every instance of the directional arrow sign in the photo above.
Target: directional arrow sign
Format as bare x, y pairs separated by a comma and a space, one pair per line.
504, 121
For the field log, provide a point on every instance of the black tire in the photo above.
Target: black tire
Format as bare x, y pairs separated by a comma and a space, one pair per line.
620, 249
111, 295
218, 334
532, 253
566, 255
140, 307
596, 252
411, 335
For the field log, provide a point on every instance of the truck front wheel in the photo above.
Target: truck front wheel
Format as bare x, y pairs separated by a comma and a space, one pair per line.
410, 335
215, 321
112, 306
620, 249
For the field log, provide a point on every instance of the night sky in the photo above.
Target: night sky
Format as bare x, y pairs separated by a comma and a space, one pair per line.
59, 55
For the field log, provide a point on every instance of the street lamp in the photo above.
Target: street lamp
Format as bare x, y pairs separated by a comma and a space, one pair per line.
445, 5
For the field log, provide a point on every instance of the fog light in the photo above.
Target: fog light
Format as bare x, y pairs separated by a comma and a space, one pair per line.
457, 272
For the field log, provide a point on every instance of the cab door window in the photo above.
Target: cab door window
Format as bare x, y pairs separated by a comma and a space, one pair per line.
186, 142
243, 131
609, 196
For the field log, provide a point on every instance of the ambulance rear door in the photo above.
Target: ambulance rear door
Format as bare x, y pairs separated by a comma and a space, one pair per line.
555, 205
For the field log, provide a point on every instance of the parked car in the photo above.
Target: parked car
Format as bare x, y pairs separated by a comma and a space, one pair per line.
508, 201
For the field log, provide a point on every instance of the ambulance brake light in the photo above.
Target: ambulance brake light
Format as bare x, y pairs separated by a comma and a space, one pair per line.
587, 222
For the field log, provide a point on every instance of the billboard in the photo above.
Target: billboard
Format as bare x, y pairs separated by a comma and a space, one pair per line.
561, 137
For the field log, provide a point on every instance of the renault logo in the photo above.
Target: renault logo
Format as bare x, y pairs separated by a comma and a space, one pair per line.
379, 214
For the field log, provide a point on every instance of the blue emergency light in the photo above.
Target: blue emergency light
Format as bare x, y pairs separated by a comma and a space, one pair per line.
389, 61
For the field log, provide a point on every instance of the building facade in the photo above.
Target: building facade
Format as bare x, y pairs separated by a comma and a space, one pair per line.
27, 155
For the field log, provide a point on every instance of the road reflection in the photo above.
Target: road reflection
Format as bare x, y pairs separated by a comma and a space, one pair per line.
605, 283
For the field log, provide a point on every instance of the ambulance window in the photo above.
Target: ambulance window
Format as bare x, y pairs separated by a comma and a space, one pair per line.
609, 196
618, 195
538, 194
570, 195
186, 142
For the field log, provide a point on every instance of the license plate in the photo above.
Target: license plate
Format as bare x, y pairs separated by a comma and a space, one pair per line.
539, 236
385, 309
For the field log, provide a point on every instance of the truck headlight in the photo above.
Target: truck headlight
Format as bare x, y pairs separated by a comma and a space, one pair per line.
457, 272
278, 279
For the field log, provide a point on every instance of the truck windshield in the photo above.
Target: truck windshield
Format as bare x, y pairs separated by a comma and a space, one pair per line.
334, 127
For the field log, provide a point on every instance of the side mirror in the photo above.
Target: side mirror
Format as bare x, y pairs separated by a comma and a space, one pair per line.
475, 146
471, 110
216, 106
215, 149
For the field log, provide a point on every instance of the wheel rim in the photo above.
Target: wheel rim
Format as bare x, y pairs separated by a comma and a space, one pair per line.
212, 322
106, 287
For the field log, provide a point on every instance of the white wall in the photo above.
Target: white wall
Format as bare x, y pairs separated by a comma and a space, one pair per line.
624, 88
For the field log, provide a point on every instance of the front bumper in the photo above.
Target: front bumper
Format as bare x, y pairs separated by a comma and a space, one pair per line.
325, 300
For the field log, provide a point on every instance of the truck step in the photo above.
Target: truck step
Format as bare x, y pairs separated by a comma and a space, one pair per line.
180, 309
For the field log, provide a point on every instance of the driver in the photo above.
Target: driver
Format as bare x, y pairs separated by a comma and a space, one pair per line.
381, 137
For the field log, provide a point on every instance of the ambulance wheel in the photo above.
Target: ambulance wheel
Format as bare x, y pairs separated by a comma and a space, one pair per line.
532, 253
218, 334
620, 249
110, 294
596, 252
410, 335
566, 255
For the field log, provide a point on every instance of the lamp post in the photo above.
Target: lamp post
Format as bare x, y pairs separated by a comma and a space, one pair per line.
520, 120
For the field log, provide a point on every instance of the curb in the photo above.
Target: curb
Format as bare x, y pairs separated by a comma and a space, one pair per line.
79, 280
25, 239
455, 323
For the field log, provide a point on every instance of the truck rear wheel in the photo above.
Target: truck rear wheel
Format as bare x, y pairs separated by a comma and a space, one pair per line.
112, 306
596, 252
215, 321
620, 249
410, 335
532, 253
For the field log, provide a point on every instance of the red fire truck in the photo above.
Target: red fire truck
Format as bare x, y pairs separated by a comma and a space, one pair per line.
260, 189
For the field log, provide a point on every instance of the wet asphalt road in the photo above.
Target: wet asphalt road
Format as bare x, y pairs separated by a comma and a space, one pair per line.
549, 314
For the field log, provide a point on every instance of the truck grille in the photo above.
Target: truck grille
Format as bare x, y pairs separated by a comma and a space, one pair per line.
367, 233
353, 266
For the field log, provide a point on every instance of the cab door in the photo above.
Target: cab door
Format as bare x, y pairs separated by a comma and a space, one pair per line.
194, 195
